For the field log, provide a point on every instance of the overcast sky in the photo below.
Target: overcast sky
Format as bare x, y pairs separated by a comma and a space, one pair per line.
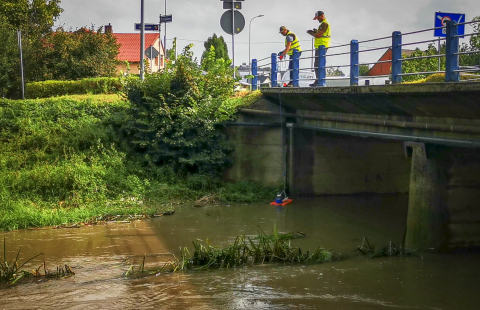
195, 20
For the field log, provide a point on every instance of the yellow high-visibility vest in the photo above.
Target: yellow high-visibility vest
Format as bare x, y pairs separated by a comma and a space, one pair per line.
295, 44
325, 39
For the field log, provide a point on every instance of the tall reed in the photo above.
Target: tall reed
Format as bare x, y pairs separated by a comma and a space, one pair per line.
11, 270
245, 250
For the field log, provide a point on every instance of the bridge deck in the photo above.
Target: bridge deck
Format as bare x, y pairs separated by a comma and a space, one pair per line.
446, 100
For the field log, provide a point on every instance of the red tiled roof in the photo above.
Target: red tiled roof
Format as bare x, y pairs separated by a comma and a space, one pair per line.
130, 45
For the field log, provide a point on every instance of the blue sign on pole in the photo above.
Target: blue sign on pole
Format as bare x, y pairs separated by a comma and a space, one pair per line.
441, 19
166, 18
148, 27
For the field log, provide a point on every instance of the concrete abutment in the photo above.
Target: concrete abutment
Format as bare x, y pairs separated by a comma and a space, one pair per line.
421, 140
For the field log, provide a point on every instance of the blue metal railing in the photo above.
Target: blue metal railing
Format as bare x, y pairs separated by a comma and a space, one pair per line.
452, 54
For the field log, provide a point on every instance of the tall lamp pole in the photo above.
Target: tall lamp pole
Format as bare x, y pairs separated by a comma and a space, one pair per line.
165, 35
249, 58
142, 40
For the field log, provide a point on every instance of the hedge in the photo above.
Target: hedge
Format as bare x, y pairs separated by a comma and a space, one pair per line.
47, 89
438, 78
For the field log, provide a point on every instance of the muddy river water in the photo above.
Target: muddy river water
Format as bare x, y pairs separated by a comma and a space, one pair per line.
101, 254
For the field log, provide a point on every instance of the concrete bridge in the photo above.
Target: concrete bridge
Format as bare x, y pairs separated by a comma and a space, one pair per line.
420, 139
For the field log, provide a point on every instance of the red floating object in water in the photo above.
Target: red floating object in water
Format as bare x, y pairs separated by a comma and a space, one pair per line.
284, 203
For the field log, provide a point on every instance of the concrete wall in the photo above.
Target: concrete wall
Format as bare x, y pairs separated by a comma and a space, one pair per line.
463, 198
259, 153
326, 164
444, 197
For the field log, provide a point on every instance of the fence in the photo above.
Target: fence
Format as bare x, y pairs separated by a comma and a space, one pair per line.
452, 54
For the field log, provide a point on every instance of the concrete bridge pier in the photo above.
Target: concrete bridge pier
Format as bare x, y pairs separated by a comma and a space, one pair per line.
427, 220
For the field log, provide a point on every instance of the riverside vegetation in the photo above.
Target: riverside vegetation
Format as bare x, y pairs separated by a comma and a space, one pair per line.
76, 158
244, 250
12, 270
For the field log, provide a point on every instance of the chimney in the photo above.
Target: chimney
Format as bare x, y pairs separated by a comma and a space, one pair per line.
108, 28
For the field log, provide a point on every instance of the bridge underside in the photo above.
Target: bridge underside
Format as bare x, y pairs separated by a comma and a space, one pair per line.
418, 139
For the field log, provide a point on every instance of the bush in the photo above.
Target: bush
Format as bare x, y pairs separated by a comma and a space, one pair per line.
47, 89
436, 78
174, 113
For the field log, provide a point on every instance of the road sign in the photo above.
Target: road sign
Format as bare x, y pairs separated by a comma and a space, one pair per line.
166, 18
226, 22
151, 52
148, 27
231, 5
441, 20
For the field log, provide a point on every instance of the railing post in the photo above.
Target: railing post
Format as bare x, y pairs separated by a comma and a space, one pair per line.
396, 57
322, 63
255, 74
273, 73
451, 60
354, 68
296, 67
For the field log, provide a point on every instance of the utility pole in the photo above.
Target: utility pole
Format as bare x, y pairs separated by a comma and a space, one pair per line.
19, 35
233, 39
165, 34
142, 42
160, 44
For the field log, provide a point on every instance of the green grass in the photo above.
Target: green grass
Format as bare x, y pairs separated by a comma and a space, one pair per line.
63, 160
245, 250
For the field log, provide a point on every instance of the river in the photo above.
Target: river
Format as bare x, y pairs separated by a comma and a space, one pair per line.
100, 255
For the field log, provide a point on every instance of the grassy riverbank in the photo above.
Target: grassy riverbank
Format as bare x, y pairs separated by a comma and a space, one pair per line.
66, 160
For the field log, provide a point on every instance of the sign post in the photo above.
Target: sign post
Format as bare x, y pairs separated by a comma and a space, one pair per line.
147, 27
165, 19
441, 19
232, 22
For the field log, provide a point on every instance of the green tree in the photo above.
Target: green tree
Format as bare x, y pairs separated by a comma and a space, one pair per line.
334, 72
363, 69
219, 47
32, 17
431, 64
80, 54
473, 46
35, 19
171, 53
423, 64
9, 61
174, 113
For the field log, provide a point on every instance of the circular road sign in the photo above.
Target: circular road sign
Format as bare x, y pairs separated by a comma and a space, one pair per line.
226, 22
446, 19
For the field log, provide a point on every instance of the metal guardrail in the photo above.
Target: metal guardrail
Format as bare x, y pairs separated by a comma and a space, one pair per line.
452, 54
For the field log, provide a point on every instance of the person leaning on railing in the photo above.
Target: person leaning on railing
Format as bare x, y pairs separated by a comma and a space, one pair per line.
291, 43
322, 37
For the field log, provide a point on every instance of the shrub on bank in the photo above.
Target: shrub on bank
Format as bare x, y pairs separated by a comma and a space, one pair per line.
45, 89
173, 115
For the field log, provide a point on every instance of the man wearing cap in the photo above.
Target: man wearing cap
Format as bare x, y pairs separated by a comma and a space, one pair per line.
291, 44
322, 37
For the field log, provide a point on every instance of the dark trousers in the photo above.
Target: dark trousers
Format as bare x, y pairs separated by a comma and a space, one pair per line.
290, 66
315, 65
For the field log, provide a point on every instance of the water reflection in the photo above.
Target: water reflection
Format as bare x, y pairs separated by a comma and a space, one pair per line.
102, 254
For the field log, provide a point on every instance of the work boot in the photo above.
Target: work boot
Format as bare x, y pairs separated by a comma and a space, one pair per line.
289, 84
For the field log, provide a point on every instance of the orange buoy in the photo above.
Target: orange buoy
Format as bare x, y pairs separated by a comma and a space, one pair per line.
283, 203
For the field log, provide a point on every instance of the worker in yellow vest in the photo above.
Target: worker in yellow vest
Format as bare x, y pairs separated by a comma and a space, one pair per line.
322, 37
291, 44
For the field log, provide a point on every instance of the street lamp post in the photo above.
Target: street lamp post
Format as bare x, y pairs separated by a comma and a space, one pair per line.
249, 58
142, 40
